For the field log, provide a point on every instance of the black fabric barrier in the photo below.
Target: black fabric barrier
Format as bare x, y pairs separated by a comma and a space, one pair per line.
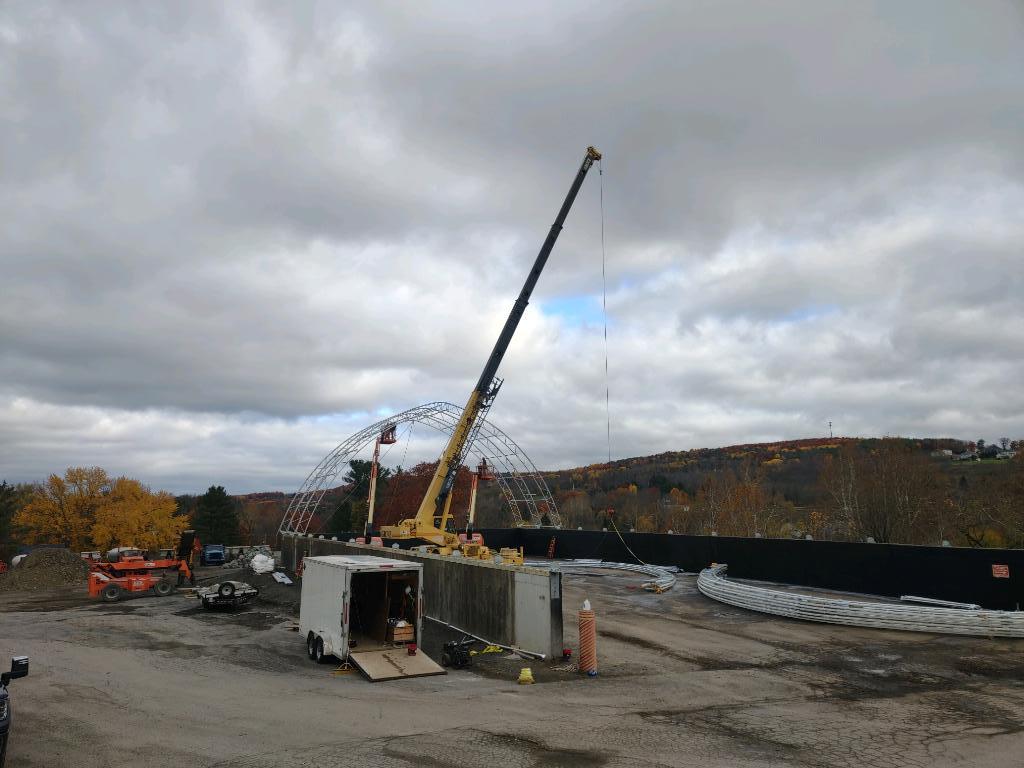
947, 573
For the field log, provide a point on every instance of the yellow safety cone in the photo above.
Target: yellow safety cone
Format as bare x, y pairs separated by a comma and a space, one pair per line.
526, 676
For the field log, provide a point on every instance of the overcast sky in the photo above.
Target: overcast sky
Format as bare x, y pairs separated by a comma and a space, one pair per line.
234, 233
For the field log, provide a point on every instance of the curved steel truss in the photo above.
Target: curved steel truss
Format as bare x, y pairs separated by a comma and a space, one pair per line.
522, 486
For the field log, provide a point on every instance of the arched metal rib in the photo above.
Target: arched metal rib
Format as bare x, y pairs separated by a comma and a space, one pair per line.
521, 485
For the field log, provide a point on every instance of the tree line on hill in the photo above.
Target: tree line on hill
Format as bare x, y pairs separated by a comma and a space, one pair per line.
888, 490
87, 510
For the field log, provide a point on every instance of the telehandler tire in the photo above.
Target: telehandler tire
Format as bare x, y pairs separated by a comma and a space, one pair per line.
163, 588
111, 593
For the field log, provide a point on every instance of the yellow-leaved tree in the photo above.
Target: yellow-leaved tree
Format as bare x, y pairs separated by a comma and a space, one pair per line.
63, 509
85, 510
132, 515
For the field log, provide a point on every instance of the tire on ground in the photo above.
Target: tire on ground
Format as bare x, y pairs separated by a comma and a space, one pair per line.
226, 589
320, 650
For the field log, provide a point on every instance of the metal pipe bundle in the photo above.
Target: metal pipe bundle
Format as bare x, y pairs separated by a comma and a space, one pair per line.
859, 613
663, 578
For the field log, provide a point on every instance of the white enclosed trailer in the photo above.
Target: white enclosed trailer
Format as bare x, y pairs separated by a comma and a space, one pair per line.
367, 610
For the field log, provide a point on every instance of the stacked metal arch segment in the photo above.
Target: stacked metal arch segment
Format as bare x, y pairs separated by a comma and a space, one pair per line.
663, 577
859, 613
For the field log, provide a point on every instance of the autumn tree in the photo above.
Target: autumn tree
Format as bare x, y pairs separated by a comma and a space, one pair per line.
744, 506
575, 509
260, 518
403, 493
891, 492
63, 509
683, 515
216, 520
711, 497
129, 514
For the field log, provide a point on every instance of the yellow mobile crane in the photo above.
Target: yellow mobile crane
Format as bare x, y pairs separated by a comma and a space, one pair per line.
433, 521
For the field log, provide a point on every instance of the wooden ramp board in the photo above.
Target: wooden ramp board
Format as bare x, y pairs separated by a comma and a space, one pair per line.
394, 664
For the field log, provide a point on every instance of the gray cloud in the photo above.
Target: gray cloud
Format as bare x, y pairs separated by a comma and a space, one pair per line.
235, 233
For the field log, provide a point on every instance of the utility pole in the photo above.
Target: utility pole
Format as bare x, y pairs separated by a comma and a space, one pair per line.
830, 430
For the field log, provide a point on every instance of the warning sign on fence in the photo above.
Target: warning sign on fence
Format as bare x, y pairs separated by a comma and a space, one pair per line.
1000, 571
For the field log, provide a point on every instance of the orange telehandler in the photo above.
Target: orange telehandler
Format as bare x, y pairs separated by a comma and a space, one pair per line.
130, 571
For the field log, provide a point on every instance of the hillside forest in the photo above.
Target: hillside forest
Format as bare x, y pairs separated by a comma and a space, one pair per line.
897, 490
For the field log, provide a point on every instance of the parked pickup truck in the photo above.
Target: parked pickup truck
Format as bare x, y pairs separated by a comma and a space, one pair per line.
212, 554
19, 668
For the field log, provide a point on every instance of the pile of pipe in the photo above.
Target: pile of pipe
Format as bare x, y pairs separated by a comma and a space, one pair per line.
859, 613
664, 577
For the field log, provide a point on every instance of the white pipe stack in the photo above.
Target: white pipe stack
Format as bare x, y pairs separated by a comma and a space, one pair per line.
663, 578
859, 613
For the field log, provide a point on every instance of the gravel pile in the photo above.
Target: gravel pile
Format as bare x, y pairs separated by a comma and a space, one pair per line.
45, 569
285, 597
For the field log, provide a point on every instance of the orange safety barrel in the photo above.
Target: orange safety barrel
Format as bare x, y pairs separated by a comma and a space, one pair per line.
588, 642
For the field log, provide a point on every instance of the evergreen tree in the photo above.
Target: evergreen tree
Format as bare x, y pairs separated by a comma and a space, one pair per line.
341, 520
216, 519
11, 499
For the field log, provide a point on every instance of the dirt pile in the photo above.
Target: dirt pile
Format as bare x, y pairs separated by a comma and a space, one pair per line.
45, 569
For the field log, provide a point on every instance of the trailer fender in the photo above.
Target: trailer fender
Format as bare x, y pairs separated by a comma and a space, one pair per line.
328, 647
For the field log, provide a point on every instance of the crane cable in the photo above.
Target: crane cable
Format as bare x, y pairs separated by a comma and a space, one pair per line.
604, 312
607, 388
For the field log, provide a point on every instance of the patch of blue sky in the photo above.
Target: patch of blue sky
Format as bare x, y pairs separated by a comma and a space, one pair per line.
809, 312
581, 309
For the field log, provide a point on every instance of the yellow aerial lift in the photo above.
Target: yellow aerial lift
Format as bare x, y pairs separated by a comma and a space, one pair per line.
433, 521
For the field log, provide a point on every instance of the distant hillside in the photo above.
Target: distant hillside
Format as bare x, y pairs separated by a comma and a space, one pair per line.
892, 489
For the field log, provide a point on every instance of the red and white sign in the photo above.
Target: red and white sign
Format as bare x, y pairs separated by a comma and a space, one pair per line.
1000, 571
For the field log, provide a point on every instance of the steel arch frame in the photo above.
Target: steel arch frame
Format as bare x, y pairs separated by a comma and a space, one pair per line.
522, 486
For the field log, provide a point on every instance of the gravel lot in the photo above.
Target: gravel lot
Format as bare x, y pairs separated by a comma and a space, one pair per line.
684, 681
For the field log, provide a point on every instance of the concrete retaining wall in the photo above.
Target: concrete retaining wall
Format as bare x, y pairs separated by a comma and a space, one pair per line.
505, 604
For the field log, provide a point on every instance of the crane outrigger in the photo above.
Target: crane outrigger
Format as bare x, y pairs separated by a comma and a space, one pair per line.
433, 520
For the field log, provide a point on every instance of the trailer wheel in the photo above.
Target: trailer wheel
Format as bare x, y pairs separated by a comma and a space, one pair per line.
227, 589
111, 593
319, 650
311, 646
164, 587
446, 660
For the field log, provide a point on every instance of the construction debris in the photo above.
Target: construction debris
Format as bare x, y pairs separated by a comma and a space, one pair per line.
255, 559
45, 569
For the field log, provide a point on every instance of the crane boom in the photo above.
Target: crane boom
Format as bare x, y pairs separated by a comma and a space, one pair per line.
430, 519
